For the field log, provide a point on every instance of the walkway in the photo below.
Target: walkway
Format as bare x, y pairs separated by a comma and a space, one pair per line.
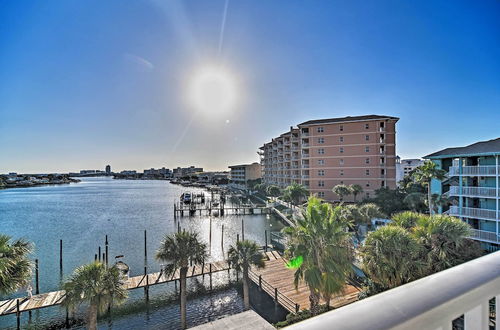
277, 281
56, 297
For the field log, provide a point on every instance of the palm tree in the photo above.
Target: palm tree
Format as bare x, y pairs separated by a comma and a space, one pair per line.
356, 189
296, 192
324, 247
179, 250
391, 257
406, 219
445, 241
273, 191
358, 215
97, 285
243, 256
15, 267
415, 201
424, 174
342, 190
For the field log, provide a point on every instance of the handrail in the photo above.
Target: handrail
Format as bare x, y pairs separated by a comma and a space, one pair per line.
286, 302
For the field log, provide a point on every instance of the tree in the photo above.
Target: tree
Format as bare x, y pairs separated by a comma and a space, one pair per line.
445, 241
406, 219
341, 190
179, 250
323, 249
389, 200
415, 201
296, 192
356, 189
424, 174
358, 215
391, 257
439, 201
243, 256
97, 285
273, 191
15, 267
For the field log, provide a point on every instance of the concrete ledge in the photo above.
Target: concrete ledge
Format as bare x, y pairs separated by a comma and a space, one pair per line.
244, 320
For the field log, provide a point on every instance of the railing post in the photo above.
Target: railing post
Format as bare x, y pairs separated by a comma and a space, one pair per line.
276, 295
260, 282
478, 317
297, 308
18, 314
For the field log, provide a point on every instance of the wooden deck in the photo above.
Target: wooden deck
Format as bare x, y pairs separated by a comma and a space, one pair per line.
56, 297
278, 283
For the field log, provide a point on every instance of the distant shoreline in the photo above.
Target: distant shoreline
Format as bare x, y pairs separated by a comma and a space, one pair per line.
35, 182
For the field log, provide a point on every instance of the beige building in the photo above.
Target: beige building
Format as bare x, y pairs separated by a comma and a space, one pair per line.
240, 174
320, 154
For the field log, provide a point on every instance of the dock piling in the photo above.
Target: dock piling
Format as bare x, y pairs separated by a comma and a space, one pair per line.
37, 287
61, 256
265, 234
107, 250
18, 315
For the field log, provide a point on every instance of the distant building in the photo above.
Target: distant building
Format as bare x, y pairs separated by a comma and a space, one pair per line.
213, 177
180, 172
473, 185
320, 154
108, 169
87, 172
405, 166
128, 172
240, 174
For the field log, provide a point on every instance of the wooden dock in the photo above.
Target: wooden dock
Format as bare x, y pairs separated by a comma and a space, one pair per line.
181, 210
54, 298
277, 281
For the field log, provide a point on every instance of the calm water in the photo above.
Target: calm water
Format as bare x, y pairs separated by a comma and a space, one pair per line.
82, 214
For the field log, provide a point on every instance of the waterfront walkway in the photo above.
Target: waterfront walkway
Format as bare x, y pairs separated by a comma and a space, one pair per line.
54, 298
276, 279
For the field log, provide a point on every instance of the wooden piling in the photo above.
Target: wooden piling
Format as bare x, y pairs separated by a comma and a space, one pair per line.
99, 253
37, 287
242, 229
222, 238
61, 256
145, 246
18, 315
265, 234
107, 250
95, 257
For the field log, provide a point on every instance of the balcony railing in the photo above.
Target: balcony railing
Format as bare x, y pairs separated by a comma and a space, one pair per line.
305, 176
474, 170
432, 302
473, 191
304, 134
484, 235
471, 212
305, 145
305, 165
305, 155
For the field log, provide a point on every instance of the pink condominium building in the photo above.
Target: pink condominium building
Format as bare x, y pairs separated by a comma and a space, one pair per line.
321, 154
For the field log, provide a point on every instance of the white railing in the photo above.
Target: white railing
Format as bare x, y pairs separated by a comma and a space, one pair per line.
305, 176
305, 155
484, 235
473, 191
471, 212
432, 302
474, 170
304, 134
305, 165
305, 145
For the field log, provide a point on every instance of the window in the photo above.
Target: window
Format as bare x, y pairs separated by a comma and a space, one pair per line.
341, 150
382, 172
367, 184
341, 139
321, 151
341, 172
382, 184
341, 182
367, 195
367, 126
320, 129
367, 172
321, 172
321, 194
321, 162
321, 183
341, 161
367, 149
367, 137
321, 140
341, 128
367, 161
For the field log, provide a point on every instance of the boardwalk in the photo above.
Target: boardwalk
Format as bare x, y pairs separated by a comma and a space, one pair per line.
56, 297
277, 281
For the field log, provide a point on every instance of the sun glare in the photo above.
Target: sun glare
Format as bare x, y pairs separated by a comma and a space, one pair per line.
213, 90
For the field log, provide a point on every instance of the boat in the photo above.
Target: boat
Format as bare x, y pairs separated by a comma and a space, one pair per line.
186, 198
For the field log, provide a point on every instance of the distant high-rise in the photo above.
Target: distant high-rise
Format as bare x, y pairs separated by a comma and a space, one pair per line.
108, 169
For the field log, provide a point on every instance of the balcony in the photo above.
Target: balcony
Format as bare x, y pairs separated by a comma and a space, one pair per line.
485, 192
305, 165
475, 213
483, 235
474, 170
305, 176
305, 155
304, 134
432, 302
305, 145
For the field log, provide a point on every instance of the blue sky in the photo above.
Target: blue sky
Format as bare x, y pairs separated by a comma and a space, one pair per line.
87, 83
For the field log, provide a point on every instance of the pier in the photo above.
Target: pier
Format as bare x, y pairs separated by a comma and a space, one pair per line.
25, 304
181, 209
276, 279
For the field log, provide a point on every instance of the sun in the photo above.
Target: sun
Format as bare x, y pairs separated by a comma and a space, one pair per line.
213, 90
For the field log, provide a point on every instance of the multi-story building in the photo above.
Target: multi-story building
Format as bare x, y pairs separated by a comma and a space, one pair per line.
180, 172
108, 169
240, 174
473, 186
405, 166
321, 154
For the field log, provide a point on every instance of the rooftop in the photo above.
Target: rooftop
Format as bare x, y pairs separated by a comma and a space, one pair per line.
475, 149
345, 119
